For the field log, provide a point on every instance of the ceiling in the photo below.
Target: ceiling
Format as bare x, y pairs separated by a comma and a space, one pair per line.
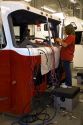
69, 8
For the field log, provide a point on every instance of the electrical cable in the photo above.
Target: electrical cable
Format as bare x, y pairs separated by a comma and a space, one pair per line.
48, 57
24, 120
30, 118
28, 51
46, 121
53, 74
44, 53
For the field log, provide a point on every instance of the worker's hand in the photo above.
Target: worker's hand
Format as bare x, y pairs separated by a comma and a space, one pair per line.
61, 42
58, 40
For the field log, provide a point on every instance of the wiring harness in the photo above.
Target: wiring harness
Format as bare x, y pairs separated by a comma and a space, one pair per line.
43, 104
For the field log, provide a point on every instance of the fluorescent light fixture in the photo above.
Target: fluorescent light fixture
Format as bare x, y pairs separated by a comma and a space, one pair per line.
73, 1
27, 0
48, 9
59, 15
78, 8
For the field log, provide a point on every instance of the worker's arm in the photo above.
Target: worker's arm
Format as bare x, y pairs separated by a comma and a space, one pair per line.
61, 42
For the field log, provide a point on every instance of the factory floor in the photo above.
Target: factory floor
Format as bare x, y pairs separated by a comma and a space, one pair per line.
52, 115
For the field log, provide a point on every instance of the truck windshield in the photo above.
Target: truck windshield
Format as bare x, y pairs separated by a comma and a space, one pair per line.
28, 28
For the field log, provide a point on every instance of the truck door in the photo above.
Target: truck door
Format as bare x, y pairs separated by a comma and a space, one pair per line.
4, 71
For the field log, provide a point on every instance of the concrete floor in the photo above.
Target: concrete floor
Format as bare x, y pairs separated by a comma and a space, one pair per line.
61, 117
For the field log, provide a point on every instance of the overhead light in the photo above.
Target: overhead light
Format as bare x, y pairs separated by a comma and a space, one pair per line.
27, 0
48, 9
78, 8
60, 15
73, 1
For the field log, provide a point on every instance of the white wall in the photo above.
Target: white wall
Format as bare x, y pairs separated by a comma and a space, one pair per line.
78, 57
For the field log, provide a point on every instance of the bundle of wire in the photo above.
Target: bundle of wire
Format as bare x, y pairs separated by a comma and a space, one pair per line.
41, 118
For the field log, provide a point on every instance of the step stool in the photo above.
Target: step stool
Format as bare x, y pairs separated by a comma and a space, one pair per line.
66, 98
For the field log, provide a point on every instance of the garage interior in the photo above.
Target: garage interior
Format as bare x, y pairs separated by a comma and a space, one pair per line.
44, 110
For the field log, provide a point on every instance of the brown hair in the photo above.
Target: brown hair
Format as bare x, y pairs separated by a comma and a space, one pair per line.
69, 29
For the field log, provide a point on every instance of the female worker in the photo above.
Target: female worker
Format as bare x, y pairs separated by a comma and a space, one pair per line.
67, 53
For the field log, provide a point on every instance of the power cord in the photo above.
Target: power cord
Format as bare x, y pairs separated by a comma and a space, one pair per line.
26, 119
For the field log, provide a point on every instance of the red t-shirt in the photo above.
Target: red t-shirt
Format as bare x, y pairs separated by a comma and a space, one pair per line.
67, 53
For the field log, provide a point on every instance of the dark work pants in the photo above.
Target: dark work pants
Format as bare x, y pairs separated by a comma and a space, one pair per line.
67, 69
